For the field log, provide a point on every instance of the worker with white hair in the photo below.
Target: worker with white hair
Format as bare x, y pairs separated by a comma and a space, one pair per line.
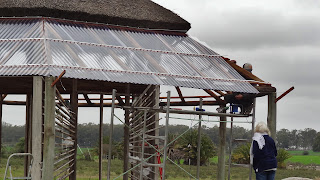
263, 153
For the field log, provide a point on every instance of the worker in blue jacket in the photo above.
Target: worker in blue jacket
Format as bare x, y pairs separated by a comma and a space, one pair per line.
263, 153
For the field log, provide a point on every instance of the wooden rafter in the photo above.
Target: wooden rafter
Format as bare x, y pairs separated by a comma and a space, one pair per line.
86, 97
180, 94
211, 93
220, 92
121, 103
246, 74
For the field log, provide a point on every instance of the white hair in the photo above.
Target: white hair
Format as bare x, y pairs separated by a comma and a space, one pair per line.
262, 127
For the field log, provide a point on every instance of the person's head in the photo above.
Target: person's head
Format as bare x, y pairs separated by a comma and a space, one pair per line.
262, 127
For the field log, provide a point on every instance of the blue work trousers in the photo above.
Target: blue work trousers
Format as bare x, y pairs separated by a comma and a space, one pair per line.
265, 175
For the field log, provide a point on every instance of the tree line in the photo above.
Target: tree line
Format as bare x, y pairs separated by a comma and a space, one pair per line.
88, 135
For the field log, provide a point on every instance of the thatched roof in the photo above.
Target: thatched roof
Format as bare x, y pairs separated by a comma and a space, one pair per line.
136, 13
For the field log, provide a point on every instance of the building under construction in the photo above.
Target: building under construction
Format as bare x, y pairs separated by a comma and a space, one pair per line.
60, 52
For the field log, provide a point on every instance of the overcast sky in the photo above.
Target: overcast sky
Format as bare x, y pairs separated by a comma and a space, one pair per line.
281, 39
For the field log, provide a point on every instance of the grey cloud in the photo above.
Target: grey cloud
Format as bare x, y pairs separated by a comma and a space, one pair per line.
255, 28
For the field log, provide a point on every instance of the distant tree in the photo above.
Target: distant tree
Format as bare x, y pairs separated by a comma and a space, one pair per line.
295, 138
307, 137
316, 143
283, 138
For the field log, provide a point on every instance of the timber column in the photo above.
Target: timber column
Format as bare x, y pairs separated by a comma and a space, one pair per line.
222, 147
272, 114
74, 108
49, 130
36, 134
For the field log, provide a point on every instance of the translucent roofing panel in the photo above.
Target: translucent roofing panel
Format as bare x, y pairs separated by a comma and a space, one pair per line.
102, 52
20, 28
19, 52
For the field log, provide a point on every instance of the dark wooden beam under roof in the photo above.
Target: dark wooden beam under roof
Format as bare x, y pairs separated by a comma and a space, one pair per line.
246, 74
219, 100
86, 97
120, 101
180, 94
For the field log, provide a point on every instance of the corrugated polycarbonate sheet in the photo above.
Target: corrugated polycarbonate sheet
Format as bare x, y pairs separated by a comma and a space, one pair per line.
101, 52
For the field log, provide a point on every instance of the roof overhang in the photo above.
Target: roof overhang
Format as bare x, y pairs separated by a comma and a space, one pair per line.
47, 46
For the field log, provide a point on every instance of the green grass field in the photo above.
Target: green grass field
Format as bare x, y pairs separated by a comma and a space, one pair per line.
88, 170
300, 153
313, 158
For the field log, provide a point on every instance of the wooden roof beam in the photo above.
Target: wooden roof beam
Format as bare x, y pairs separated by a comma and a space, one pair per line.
86, 97
246, 74
211, 93
121, 103
220, 92
180, 94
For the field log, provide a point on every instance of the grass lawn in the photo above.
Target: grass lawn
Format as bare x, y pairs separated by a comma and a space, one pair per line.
297, 157
311, 153
88, 170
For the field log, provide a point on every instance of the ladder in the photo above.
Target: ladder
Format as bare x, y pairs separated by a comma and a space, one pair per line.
9, 167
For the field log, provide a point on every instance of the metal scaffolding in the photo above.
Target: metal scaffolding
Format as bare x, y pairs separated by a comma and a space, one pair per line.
146, 146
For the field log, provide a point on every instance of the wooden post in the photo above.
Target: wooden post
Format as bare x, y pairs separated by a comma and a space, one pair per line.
156, 117
49, 130
37, 98
126, 134
101, 137
111, 133
1, 101
27, 140
272, 114
74, 108
222, 147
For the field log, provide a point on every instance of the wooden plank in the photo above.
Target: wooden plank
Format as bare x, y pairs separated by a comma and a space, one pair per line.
272, 114
86, 97
284, 94
27, 142
180, 94
126, 134
49, 130
37, 98
1, 100
215, 96
220, 92
222, 148
101, 137
60, 76
246, 74
74, 107
120, 101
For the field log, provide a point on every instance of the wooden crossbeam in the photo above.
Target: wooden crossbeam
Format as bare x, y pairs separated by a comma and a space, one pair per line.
246, 74
60, 76
219, 100
285, 93
180, 94
121, 103
86, 97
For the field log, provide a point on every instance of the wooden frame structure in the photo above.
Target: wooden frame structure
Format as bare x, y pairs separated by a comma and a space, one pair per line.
40, 98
